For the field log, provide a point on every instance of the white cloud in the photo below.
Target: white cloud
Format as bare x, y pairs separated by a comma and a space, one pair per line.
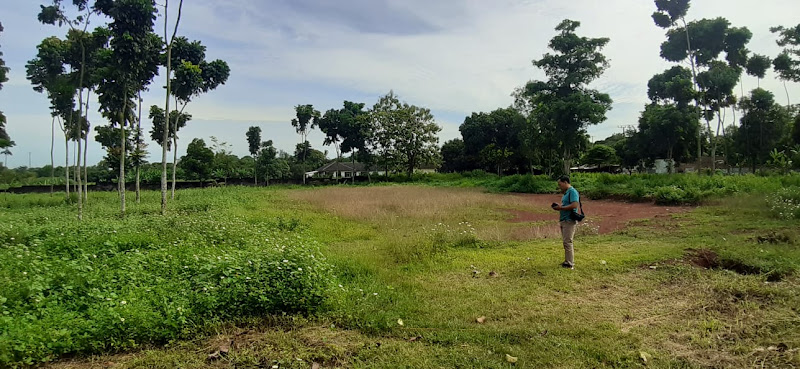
478, 54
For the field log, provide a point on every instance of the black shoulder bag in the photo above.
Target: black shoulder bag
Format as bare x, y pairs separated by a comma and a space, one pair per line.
574, 214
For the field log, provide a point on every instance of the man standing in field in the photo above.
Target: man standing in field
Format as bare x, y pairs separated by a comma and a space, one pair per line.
569, 204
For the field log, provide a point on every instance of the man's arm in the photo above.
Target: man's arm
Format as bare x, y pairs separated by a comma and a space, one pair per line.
572, 206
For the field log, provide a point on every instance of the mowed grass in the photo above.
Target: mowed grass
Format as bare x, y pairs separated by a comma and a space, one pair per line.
437, 259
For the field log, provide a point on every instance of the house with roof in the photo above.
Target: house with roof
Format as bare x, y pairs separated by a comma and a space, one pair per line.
339, 170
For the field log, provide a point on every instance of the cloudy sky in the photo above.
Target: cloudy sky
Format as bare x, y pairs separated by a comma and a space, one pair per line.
452, 56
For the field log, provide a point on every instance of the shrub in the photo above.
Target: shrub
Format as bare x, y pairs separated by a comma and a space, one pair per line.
108, 285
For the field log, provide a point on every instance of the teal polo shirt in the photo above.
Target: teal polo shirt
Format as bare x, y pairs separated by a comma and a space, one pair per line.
569, 197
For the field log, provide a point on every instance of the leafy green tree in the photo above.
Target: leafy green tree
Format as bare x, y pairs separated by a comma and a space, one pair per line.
415, 137
266, 161
787, 64
454, 157
384, 116
198, 160
254, 145
224, 165
763, 126
564, 104
305, 121
306, 159
82, 57
129, 65
47, 73
330, 125
670, 121
710, 39
5, 140
356, 131
193, 76
169, 42
109, 138
600, 155
757, 66
157, 117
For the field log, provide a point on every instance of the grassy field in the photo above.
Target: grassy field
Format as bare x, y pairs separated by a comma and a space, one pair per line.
404, 277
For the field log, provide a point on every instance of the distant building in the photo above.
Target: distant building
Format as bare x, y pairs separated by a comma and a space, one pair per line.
339, 170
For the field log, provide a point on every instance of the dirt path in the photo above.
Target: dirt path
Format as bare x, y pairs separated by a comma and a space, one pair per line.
609, 215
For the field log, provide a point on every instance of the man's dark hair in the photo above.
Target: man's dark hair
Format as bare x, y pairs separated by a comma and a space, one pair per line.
564, 179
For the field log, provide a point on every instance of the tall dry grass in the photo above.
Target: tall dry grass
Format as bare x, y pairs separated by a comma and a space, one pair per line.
425, 203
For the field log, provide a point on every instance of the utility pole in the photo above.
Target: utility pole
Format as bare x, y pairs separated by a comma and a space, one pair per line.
29, 160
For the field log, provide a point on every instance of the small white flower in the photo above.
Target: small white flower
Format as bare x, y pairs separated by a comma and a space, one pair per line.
300, 269
374, 294
122, 320
123, 302
24, 273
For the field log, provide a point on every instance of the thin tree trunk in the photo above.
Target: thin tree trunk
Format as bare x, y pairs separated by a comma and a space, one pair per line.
74, 165
66, 159
122, 157
52, 158
788, 102
138, 148
85, 171
694, 84
174, 161
78, 161
166, 109
85, 151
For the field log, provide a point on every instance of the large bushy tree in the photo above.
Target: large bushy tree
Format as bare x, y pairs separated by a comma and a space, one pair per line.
564, 104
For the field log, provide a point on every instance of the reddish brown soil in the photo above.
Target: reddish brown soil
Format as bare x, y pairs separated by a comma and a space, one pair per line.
610, 215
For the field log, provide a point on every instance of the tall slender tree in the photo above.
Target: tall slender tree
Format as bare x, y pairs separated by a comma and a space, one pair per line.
565, 102
168, 41
47, 73
787, 64
83, 46
5, 139
670, 15
711, 38
253, 145
130, 65
305, 121
193, 76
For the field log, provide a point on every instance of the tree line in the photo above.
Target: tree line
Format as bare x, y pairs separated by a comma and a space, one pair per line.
694, 110
115, 62
688, 116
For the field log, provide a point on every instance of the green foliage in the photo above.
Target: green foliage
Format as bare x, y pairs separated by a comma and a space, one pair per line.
177, 120
787, 64
785, 203
405, 135
105, 285
758, 65
670, 12
198, 160
564, 105
763, 126
454, 157
600, 155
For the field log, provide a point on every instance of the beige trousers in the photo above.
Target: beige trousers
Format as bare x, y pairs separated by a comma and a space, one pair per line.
568, 228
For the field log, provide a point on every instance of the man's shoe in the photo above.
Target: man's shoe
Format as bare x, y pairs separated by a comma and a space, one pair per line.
567, 265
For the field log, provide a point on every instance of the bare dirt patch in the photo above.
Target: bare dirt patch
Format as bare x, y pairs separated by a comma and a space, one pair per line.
607, 215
